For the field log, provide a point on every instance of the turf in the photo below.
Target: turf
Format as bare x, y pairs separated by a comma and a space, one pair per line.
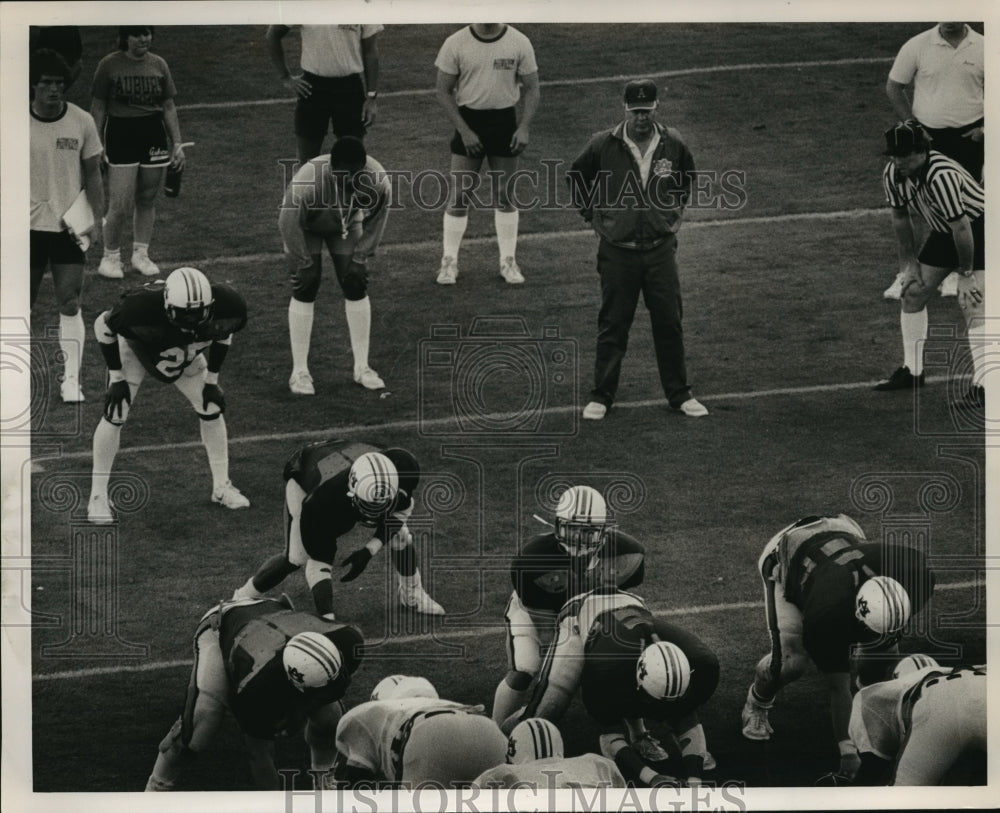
774, 305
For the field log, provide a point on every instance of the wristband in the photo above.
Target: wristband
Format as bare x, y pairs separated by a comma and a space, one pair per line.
114, 376
847, 748
374, 545
212, 378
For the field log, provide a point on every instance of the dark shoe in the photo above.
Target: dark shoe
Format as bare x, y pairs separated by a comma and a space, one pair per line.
901, 379
973, 401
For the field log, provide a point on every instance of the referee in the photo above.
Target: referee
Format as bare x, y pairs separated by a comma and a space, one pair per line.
951, 202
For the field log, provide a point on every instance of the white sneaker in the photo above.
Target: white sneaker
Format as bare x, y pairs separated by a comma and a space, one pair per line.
510, 272
755, 724
693, 408
416, 598
949, 285
99, 510
894, 291
301, 383
369, 379
230, 496
595, 411
70, 391
111, 267
649, 748
448, 272
144, 265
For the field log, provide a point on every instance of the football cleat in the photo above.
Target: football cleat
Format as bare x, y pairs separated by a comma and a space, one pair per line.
111, 267
754, 719
448, 272
901, 379
949, 285
301, 383
395, 687
372, 485
595, 411
99, 510
882, 605
510, 271
649, 748
144, 265
581, 521
693, 408
663, 671
534, 739
311, 661
229, 496
894, 291
188, 299
70, 391
369, 379
418, 599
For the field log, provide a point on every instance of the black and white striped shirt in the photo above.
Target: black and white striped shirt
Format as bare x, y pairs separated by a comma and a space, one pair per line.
942, 194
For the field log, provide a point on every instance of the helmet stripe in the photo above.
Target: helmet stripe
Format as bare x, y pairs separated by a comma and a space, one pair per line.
323, 656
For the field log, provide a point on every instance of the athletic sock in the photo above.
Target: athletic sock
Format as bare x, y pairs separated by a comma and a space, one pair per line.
300, 325
216, 440
506, 226
453, 231
107, 438
71, 336
359, 324
913, 326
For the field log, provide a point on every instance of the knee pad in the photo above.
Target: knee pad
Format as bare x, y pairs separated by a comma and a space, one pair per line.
518, 681
316, 572
305, 282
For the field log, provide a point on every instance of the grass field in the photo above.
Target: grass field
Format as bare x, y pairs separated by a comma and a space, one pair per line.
785, 331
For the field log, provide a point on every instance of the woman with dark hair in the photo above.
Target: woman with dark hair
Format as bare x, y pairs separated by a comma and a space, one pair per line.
133, 106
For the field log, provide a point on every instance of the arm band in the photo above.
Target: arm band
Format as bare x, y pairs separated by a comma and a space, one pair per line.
216, 355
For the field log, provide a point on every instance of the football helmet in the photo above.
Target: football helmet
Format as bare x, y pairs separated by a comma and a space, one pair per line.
913, 663
372, 485
663, 671
533, 739
581, 521
882, 605
395, 687
187, 298
311, 661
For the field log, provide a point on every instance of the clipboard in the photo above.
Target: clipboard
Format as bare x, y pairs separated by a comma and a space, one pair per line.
79, 218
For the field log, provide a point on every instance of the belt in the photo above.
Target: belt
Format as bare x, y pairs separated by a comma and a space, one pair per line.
641, 245
398, 745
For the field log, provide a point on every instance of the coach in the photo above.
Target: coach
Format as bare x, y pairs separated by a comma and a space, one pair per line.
632, 183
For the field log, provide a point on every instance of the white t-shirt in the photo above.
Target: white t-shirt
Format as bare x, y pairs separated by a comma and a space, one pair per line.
487, 70
334, 50
58, 149
947, 82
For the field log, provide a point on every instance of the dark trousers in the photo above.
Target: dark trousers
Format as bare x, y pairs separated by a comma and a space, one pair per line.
953, 142
624, 274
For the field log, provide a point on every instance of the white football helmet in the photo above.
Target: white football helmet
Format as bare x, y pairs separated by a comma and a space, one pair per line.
372, 485
663, 671
395, 687
188, 298
913, 663
882, 605
581, 521
533, 739
311, 660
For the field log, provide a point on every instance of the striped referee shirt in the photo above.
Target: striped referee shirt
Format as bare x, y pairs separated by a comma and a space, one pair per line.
942, 194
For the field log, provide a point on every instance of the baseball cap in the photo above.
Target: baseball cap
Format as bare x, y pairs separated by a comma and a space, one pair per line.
640, 94
906, 138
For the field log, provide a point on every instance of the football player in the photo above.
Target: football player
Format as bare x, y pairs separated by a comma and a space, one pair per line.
826, 589
912, 729
277, 671
330, 486
584, 551
535, 758
340, 200
631, 667
409, 735
179, 332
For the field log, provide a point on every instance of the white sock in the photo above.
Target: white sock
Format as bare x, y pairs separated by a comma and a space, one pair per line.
71, 336
692, 741
977, 345
300, 325
140, 249
506, 701
506, 226
114, 255
914, 329
359, 324
107, 438
248, 590
453, 231
216, 440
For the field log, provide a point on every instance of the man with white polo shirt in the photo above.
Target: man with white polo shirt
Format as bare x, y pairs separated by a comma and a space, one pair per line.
481, 71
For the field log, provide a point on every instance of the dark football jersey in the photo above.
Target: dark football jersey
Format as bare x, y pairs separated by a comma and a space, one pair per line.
545, 577
163, 349
262, 698
829, 626
322, 469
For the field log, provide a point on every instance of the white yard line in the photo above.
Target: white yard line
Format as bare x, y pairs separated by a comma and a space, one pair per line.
593, 80
445, 635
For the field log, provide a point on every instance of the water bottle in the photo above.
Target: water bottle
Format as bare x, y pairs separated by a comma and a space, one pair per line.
172, 184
